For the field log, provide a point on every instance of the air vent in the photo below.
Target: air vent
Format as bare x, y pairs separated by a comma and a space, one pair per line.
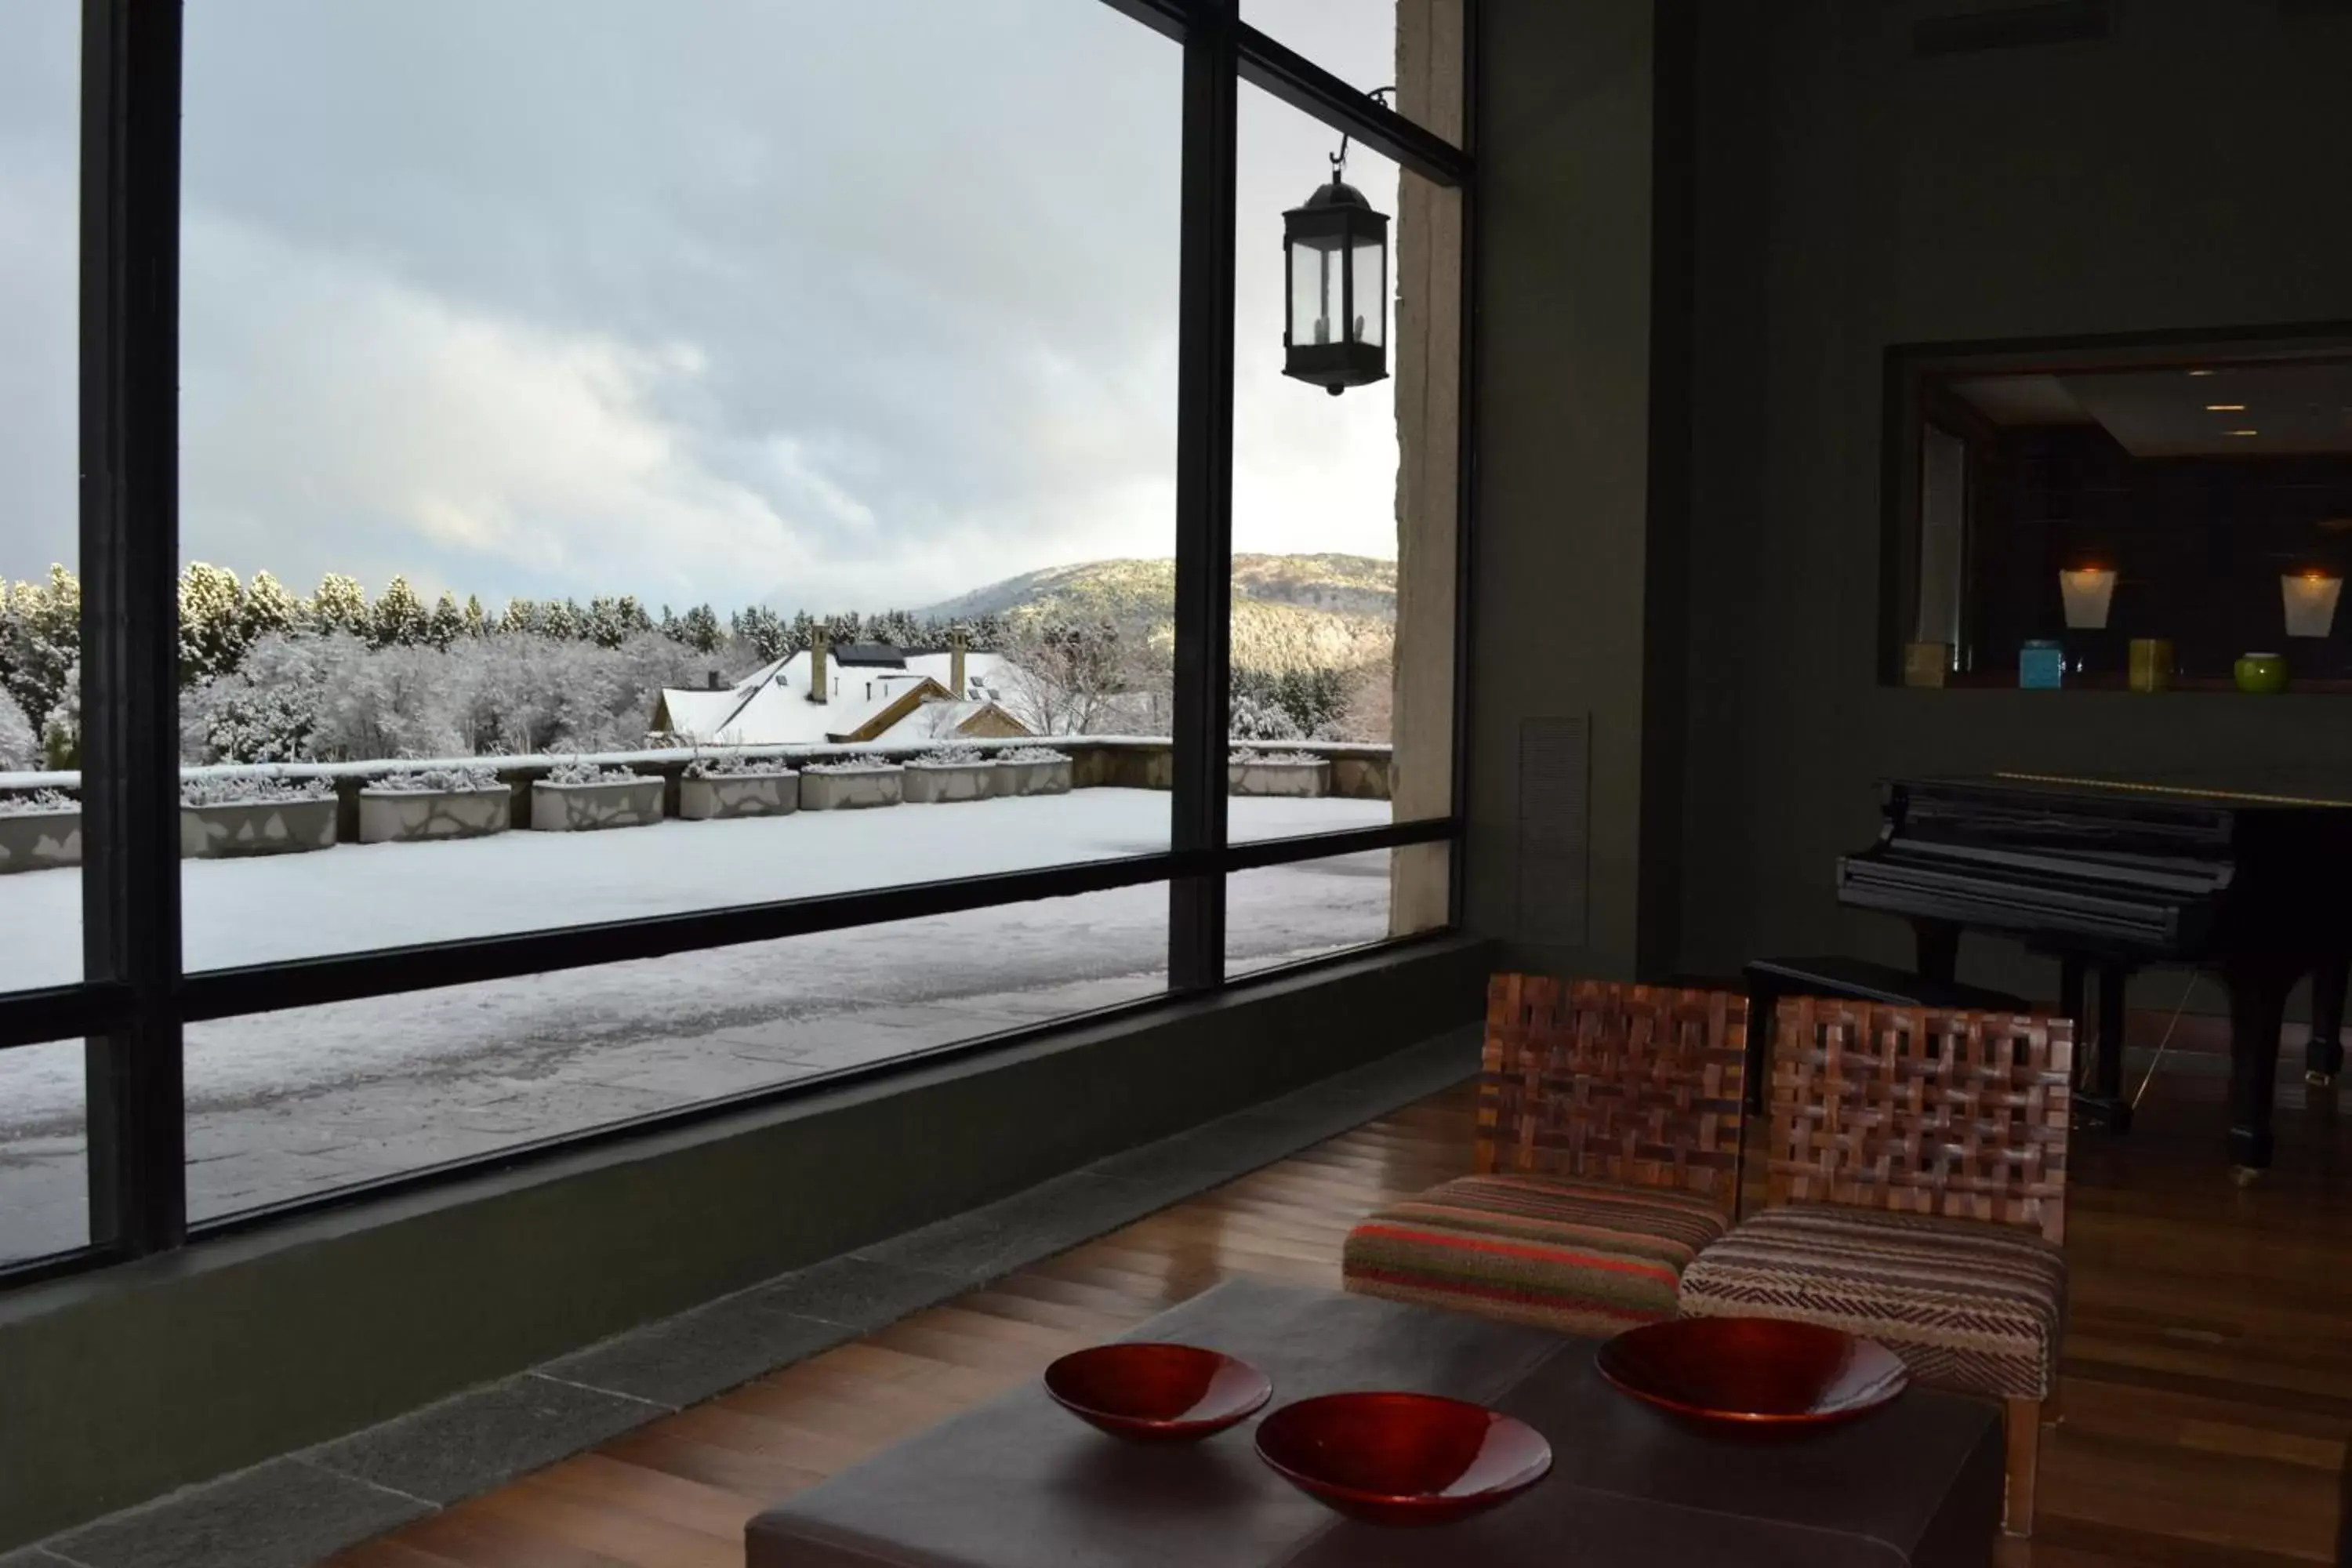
1555, 829
2012, 27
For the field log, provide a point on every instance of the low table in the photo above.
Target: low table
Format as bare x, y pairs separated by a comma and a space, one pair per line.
1018, 1482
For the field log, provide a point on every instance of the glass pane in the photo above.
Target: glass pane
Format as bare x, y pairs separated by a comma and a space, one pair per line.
1345, 507
1286, 914
1370, 296
44, 1151
40, 598
1311, 305
1412, 45
287, 1105
779, 378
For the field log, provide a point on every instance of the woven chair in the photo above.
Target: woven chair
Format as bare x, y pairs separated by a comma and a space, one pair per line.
1917, 1193
1609, 1148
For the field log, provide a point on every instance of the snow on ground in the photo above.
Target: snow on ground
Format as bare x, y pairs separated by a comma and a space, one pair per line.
280, 1104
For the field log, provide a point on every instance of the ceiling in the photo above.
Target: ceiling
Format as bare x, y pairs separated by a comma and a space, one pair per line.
2292, 407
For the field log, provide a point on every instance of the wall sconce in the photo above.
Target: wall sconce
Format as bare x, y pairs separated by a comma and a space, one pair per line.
2310, 603
2088, 591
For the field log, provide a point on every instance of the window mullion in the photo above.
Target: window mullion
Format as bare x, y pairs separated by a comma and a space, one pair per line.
129, 759
1205, 464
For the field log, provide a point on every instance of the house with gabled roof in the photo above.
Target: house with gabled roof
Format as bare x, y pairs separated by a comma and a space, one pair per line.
858, 691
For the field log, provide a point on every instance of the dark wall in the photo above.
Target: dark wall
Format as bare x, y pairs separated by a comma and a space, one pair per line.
2186, 173
1562, 623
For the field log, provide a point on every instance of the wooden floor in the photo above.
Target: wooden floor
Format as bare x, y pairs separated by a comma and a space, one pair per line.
2207, 1386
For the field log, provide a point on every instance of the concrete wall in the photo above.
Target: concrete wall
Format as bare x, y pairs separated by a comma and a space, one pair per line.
2186, 174
117, 1385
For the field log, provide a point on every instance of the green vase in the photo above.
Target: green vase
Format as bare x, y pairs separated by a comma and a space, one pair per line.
2262, 672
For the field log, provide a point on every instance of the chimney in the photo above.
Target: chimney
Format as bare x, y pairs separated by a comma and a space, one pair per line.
816, 667
955, 663
714, 680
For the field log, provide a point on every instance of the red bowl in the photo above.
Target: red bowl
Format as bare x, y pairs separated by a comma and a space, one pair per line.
1158, 1393
1403, 1459
1754, 1376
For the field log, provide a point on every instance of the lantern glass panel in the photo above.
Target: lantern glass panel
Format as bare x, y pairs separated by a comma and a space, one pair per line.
1313, 294
1368, 259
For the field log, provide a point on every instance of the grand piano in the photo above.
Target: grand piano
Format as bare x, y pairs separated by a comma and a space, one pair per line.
2254, 884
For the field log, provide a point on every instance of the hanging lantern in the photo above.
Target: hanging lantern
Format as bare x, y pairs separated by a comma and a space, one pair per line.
1336, 250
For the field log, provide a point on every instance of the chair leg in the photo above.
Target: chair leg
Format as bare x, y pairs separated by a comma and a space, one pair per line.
2023, 1418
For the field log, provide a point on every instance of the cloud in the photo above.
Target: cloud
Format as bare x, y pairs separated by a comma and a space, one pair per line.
858, 305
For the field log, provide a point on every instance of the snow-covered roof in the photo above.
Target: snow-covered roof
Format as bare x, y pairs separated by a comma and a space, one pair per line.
771, 706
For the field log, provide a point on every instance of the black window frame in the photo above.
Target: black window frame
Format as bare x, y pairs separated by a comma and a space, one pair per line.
136, 996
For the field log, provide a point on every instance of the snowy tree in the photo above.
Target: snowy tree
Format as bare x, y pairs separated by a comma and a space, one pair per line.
400, 619
1061, 680
340, 606
560, 618
212, 622
699, 630
19, 747
1260, 718
61, 730
269, 608
447, 625
40, 639
477, 624
760, 627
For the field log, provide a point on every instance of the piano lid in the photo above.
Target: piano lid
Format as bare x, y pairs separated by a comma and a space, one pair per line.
2268, 790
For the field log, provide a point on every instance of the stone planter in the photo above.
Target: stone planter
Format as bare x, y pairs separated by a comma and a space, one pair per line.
1304, 781
938, 785
739, 795
579, 808
411, 816
33, 840
1033, 778
851, 792
256, 828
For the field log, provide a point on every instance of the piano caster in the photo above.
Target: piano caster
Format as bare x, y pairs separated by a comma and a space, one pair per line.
2245, 1176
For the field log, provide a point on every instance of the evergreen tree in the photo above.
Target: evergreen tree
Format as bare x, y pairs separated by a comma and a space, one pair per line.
699, 630
401, 619
270, 608
760, 629
477, 625
340, 606
561, 618
41, 640
212, 622
523, 619
801, 636
447, 625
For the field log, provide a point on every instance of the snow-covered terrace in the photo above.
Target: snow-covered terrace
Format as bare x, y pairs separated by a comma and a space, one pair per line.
288, 1103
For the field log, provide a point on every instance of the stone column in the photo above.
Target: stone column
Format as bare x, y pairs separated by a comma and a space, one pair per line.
1428, 345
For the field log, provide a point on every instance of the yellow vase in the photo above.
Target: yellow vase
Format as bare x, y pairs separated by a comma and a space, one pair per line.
2151, 664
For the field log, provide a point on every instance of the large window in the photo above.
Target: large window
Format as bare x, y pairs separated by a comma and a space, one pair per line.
804, 443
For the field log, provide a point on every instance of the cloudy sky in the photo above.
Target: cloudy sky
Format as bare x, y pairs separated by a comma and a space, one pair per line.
833, 305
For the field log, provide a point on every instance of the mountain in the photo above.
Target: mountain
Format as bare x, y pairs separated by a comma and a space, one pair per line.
1290, 612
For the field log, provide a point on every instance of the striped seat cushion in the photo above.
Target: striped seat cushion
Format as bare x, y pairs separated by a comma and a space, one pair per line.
1583, 1257
1969, 1306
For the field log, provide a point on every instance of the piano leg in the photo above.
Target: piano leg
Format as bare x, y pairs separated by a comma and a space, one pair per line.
2257, 1005
1938, 948
2102, 1102
2323, 1058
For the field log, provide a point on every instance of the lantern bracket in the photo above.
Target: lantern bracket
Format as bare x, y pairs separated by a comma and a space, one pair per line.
1378, 95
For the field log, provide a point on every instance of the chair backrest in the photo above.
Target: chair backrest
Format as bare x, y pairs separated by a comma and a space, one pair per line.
1635, 1084
1922, 1110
